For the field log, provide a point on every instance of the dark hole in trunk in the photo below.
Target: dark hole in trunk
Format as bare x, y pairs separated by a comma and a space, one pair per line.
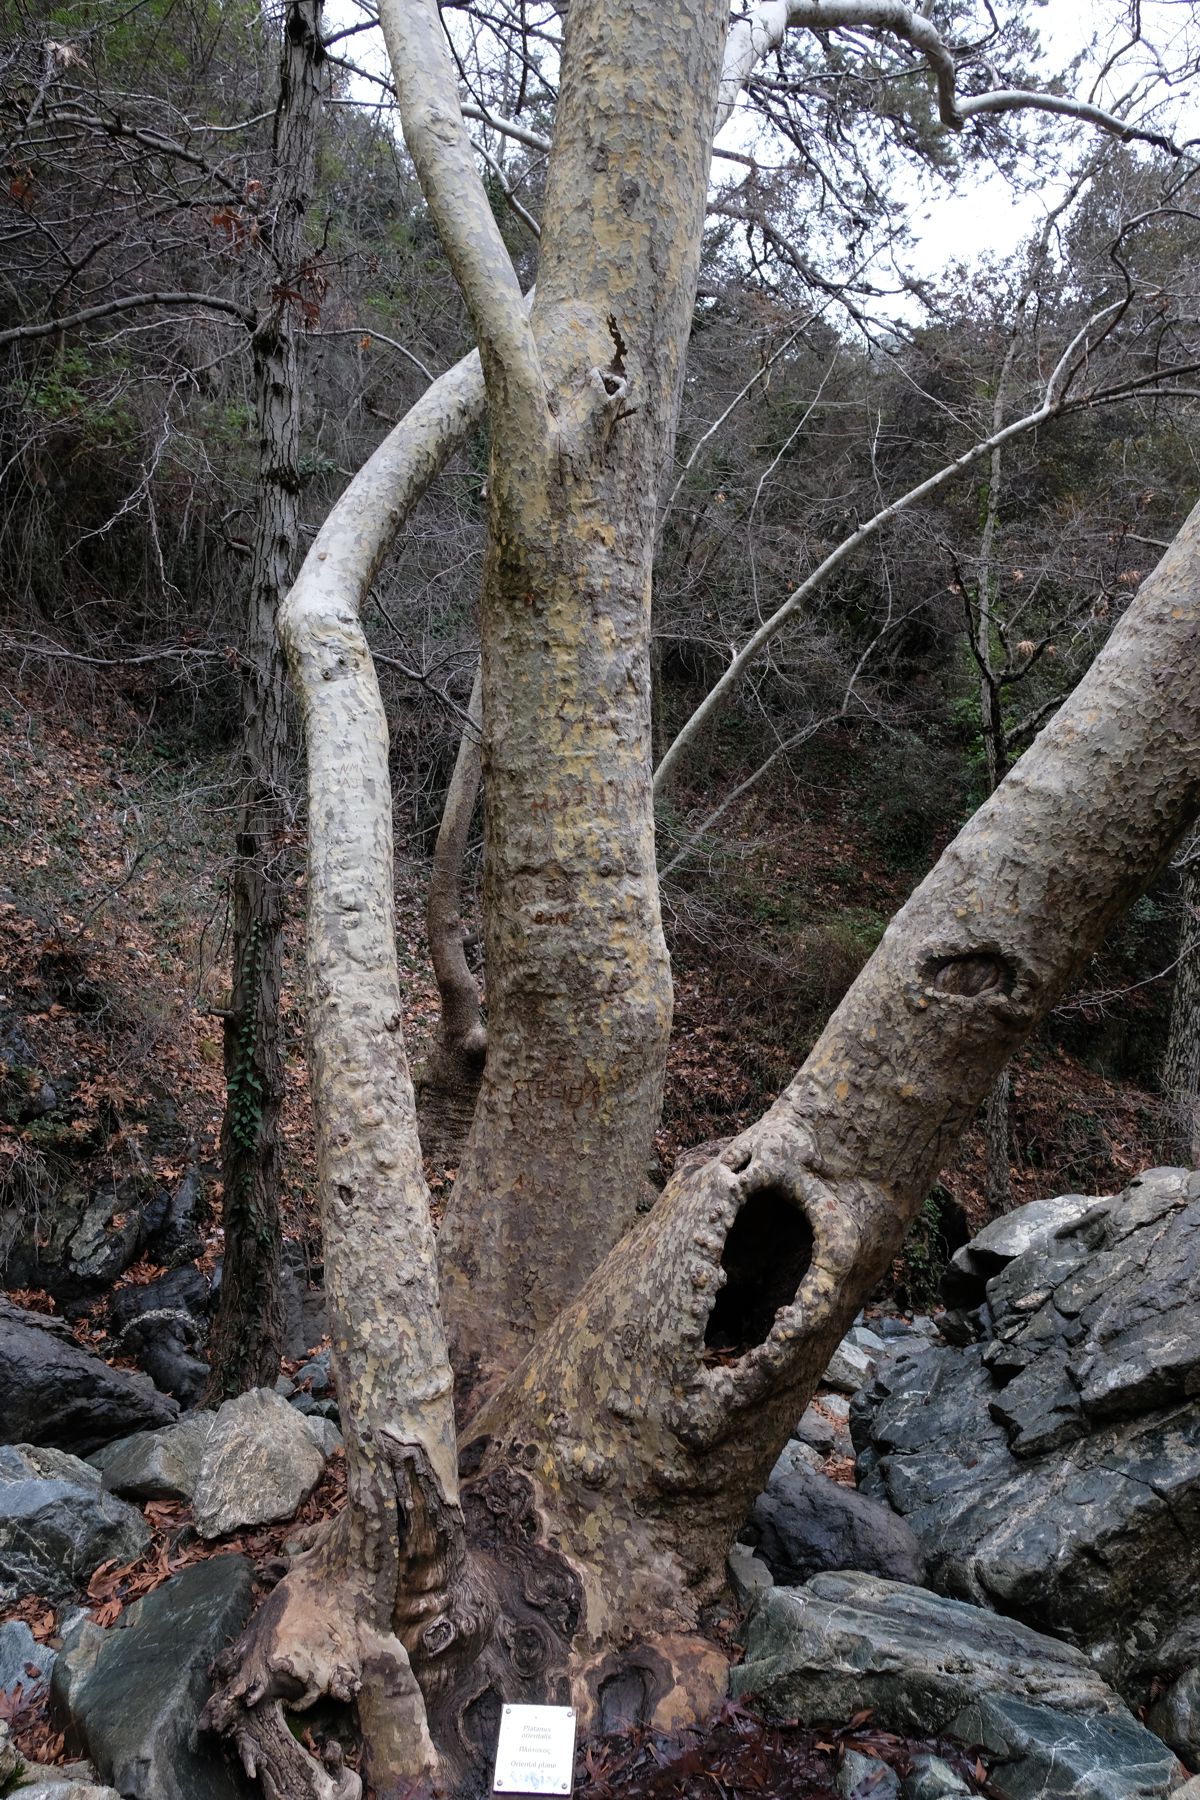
766, 1257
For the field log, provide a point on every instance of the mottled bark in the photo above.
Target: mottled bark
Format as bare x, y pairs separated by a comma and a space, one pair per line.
605, 1476
1181, 1063
660, 1397
579, 994
448, 1080
392, 1573
247, 1334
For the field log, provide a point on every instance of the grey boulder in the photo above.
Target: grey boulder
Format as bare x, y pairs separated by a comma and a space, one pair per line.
803, 1523
850, 1367
52, 1392
1040, 1754
156, 1465
1175, 1717
130, 1697
915, 1659
1054, 1472
933, 1666
866, 1778
57, 1525
260, 1463
932, 1778
24, 1663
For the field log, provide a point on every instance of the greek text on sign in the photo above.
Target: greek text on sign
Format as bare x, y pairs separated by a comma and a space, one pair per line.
536, 1751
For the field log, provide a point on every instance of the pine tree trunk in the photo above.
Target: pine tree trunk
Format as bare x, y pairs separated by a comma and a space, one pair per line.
997, 1179
1181, 1063
247, 1334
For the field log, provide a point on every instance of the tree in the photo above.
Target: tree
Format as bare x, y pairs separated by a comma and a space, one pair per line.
247, 1333
621, 1392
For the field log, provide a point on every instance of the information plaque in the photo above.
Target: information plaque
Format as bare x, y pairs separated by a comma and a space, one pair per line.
536, 1750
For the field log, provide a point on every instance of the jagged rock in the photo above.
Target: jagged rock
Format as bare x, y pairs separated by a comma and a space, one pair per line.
1054, 1472
161, 1324
52, 1392
1047, 1755
866, 1778
130, 1697
317, 1375
79, 1243
932, 1778
803, 1523
324, 1433
748, 1576
866, 1340
1030, 1227
156, 1465
818, 1431
24, 1663
171, 1233
260, 1463
915, 1659
849, 1368
57, 1524
1175, 1717
316, 1409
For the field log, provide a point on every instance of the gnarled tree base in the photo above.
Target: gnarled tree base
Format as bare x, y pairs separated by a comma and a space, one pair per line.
432, 1718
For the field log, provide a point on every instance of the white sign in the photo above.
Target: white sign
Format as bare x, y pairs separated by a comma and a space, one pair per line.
536, 1751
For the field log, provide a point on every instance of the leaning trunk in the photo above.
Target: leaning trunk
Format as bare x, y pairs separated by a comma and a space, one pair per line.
659, 1399
247, 1334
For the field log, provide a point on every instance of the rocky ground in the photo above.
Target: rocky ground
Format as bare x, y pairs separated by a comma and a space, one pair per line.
1026, 1507
1004, 1605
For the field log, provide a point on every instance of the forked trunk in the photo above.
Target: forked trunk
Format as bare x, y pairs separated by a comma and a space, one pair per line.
604, 1476
579, 989
658, 1401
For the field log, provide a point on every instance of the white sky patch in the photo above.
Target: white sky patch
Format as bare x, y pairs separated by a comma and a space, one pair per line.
986, 216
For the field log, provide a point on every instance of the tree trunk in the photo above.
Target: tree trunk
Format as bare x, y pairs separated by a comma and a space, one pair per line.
606, 1473
247, 1333
579, 991
448, 1083
660, 1398
1181, 1064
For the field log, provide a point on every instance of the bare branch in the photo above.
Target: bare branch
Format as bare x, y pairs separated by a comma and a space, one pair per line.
126, 303
444, 156
1055, 402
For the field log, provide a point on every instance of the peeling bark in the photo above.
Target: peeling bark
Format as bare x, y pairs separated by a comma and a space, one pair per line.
654, 1429
579, 993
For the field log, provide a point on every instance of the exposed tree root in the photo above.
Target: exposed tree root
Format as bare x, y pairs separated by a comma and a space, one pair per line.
507, 1623
311, 1640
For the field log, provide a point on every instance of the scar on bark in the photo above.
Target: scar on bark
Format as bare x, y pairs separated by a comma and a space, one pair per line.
768, 1251
970, 973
